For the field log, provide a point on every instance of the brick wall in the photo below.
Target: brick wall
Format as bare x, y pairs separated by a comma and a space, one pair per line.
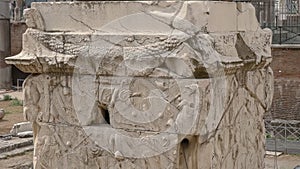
286, 100
286, 63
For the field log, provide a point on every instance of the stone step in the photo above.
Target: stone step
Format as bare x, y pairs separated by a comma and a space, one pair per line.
16, 152
27, 165
14, 143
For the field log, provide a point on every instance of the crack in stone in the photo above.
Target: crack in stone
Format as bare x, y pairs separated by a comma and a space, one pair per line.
86, 25
253, 95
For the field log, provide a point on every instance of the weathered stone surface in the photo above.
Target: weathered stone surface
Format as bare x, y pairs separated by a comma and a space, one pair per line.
14, 143
221, 11
21, 127
16, 152
246, 17
151, 85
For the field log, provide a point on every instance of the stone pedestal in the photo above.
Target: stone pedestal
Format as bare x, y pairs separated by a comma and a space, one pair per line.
146, 84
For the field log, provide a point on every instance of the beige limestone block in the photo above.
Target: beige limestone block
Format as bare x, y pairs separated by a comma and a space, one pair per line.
222, 17
246, 17
88, 18
225, 43
150, 85
34, 19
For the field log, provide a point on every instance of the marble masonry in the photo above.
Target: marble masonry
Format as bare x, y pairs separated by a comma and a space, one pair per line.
146, 85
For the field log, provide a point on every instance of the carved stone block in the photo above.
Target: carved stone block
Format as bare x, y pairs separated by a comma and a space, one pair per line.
149, 85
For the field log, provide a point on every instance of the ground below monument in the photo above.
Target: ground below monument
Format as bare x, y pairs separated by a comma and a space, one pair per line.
13, 114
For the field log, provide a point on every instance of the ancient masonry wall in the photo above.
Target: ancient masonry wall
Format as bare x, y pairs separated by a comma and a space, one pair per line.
150, 85
286, 101
17, 29
286, 62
